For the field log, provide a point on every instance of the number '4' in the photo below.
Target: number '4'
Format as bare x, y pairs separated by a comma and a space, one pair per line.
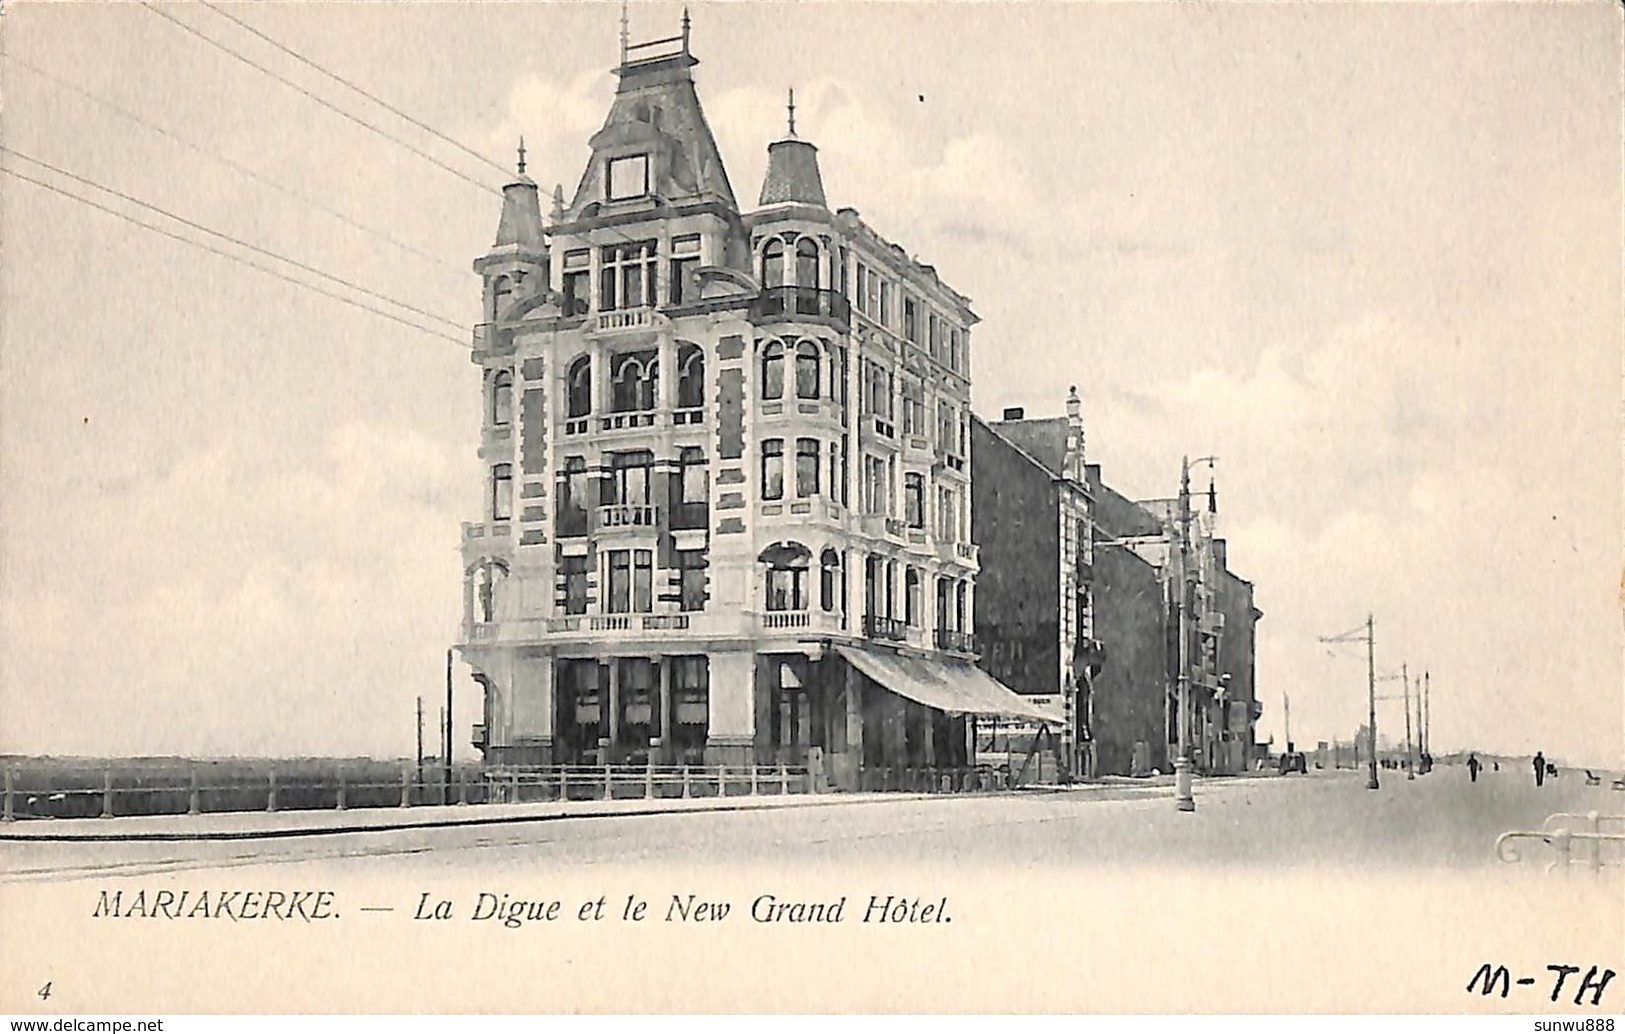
45, 992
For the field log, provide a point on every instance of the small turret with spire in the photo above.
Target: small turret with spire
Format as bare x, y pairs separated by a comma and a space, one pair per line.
792, 167
521, 222
1076, 462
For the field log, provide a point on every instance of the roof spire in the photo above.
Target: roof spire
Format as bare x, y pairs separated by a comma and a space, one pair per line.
626, 33
521, 156
685, 29
792, 107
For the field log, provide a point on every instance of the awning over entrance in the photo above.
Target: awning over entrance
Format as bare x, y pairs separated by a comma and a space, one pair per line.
957, 687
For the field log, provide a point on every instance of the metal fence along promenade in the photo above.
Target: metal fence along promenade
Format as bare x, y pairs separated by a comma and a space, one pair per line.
1591, 840
49, 792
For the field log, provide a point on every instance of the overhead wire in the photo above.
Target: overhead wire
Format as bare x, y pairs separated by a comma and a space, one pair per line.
392, 109
324, 102
229, 163
306, 267
205, 246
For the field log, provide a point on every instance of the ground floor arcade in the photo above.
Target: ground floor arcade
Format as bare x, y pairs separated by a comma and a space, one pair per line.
838, 711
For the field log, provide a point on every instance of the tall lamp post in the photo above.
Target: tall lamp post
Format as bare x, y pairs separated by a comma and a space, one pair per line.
1184, 799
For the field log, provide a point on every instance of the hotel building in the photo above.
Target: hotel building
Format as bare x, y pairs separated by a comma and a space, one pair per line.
726, 511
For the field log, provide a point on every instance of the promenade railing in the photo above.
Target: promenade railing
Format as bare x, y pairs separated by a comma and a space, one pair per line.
58, 791
1590, 840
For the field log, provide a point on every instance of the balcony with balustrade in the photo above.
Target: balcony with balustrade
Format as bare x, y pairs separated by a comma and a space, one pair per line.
799, 623
965, 554
626, 519
948, 640
894, 630
880, 526
612, 629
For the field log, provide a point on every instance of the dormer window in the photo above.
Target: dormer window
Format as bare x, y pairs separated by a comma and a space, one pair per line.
628, 177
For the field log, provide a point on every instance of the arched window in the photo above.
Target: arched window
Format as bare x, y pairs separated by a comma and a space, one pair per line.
633, 383
806, 262
502, 492
787, 568
488, 587
807, 370
690, 377
501, 295
829, 583
579, 383
502, 398
773, 263
773, 370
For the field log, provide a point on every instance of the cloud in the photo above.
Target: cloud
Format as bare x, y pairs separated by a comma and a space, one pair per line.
242, 606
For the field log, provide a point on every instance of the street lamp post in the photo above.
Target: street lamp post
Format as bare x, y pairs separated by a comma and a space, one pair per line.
1371, 700
1183, 796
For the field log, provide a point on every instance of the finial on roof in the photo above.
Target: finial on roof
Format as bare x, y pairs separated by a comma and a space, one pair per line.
685, 30
626, 33
792, 111
558, 201
521, 156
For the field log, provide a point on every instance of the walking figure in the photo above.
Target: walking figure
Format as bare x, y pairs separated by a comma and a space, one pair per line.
1540, 769
1473, 766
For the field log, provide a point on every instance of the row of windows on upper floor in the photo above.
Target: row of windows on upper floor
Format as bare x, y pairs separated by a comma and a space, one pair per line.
628, 480
916, 320
892, 590
628, 277
634, 379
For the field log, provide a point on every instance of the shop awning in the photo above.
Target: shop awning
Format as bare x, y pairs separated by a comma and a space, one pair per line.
954, 686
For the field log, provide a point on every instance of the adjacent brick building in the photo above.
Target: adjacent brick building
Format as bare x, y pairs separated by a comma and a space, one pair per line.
1030, 517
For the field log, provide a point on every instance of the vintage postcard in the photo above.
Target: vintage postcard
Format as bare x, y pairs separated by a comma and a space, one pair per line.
775, 508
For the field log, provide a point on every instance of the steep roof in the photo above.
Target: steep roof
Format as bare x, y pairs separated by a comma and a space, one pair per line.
521, 221
792, 174
1043, 439
657, 110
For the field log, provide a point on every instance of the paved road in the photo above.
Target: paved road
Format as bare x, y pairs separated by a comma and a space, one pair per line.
1300, 894
1306, 822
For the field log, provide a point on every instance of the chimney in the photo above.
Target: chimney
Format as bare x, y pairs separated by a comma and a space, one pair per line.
1014, 413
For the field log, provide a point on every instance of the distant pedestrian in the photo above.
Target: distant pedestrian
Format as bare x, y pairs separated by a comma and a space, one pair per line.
1496, 766
1472, 767
1540, 769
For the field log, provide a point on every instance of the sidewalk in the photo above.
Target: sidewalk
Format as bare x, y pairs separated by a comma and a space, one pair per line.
261, 825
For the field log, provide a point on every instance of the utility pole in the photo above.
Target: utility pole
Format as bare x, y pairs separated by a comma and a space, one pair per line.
1371, 698
1184, 799
1286, 713
448, 723
1410, 759
420, 741
1427, 713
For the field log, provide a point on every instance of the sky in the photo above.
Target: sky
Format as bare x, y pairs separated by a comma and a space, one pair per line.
1368, 256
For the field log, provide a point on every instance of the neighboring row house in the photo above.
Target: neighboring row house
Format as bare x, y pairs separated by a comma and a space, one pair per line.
1076, 604
727, 514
